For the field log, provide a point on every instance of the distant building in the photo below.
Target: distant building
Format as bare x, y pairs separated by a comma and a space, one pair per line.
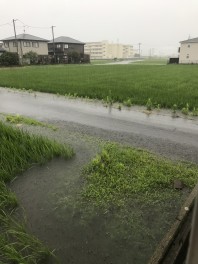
61, 47
188, 52
106, 50
25, 43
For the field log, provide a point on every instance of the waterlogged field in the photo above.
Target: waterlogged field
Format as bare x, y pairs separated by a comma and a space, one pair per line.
19, 151
165, 85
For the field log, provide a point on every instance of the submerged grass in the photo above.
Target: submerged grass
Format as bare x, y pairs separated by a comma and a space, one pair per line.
165, 85
18, 152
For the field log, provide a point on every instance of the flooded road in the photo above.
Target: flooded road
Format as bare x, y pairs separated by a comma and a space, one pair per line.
54, 108
81, 124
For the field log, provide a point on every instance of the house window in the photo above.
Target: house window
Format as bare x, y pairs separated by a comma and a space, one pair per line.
66, 46
35, 44
188, 45
6, 44
14, 44
187, 56
58, 46
26, 44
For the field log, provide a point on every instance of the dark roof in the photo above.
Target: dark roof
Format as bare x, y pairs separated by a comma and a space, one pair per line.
25, 37
193, 40
66, 40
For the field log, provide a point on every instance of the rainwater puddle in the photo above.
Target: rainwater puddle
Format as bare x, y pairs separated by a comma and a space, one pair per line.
49, 194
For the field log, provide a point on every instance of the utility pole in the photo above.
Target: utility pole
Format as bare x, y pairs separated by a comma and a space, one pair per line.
15, 35
53, 43
139, 44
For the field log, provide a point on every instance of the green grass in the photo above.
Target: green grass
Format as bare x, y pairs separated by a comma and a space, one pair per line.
165, 85
118, 174
18, 119
20, 151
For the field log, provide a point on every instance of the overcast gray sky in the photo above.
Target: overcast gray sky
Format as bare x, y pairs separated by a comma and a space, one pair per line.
158, 24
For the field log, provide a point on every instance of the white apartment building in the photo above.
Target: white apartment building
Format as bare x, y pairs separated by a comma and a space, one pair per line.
106, 50
188, 51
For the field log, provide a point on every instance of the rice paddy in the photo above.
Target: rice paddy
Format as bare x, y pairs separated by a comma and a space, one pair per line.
19, 151
165, 85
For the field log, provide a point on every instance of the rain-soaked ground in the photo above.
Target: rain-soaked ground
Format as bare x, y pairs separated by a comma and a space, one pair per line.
48, 193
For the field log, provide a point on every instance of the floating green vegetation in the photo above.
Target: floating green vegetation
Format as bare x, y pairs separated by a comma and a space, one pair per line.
20, 151
120, 173
18, 119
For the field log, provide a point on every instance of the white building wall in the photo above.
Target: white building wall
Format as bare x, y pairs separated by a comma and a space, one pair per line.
188, 53
105, 50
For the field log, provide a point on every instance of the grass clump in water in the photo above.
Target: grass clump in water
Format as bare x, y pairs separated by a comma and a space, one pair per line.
19, 151
120, 173
18, 119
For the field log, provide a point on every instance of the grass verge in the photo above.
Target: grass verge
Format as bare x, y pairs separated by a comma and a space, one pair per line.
20, 151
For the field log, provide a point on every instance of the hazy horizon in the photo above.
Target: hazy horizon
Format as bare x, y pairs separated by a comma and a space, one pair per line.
158, 25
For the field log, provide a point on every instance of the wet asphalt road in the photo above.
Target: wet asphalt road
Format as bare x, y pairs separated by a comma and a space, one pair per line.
94, 116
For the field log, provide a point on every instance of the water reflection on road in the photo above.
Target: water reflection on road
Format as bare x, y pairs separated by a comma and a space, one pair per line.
94, 114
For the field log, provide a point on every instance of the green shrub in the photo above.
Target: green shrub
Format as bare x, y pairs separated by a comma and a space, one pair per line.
33, 56
9, 59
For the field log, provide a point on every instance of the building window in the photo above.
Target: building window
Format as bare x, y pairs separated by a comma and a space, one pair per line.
58, 46
26, 44
6, 44
66, 46
14, 44
35, 44
188, 45
187, 56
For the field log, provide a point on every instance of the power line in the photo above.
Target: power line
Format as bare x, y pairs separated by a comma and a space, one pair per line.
31, 26
5, 24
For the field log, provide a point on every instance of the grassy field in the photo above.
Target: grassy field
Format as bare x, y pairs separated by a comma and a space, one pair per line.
20, 151
166, 85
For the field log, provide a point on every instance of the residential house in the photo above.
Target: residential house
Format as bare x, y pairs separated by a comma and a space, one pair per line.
25, 43
188, 52
62, 47
106, 50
